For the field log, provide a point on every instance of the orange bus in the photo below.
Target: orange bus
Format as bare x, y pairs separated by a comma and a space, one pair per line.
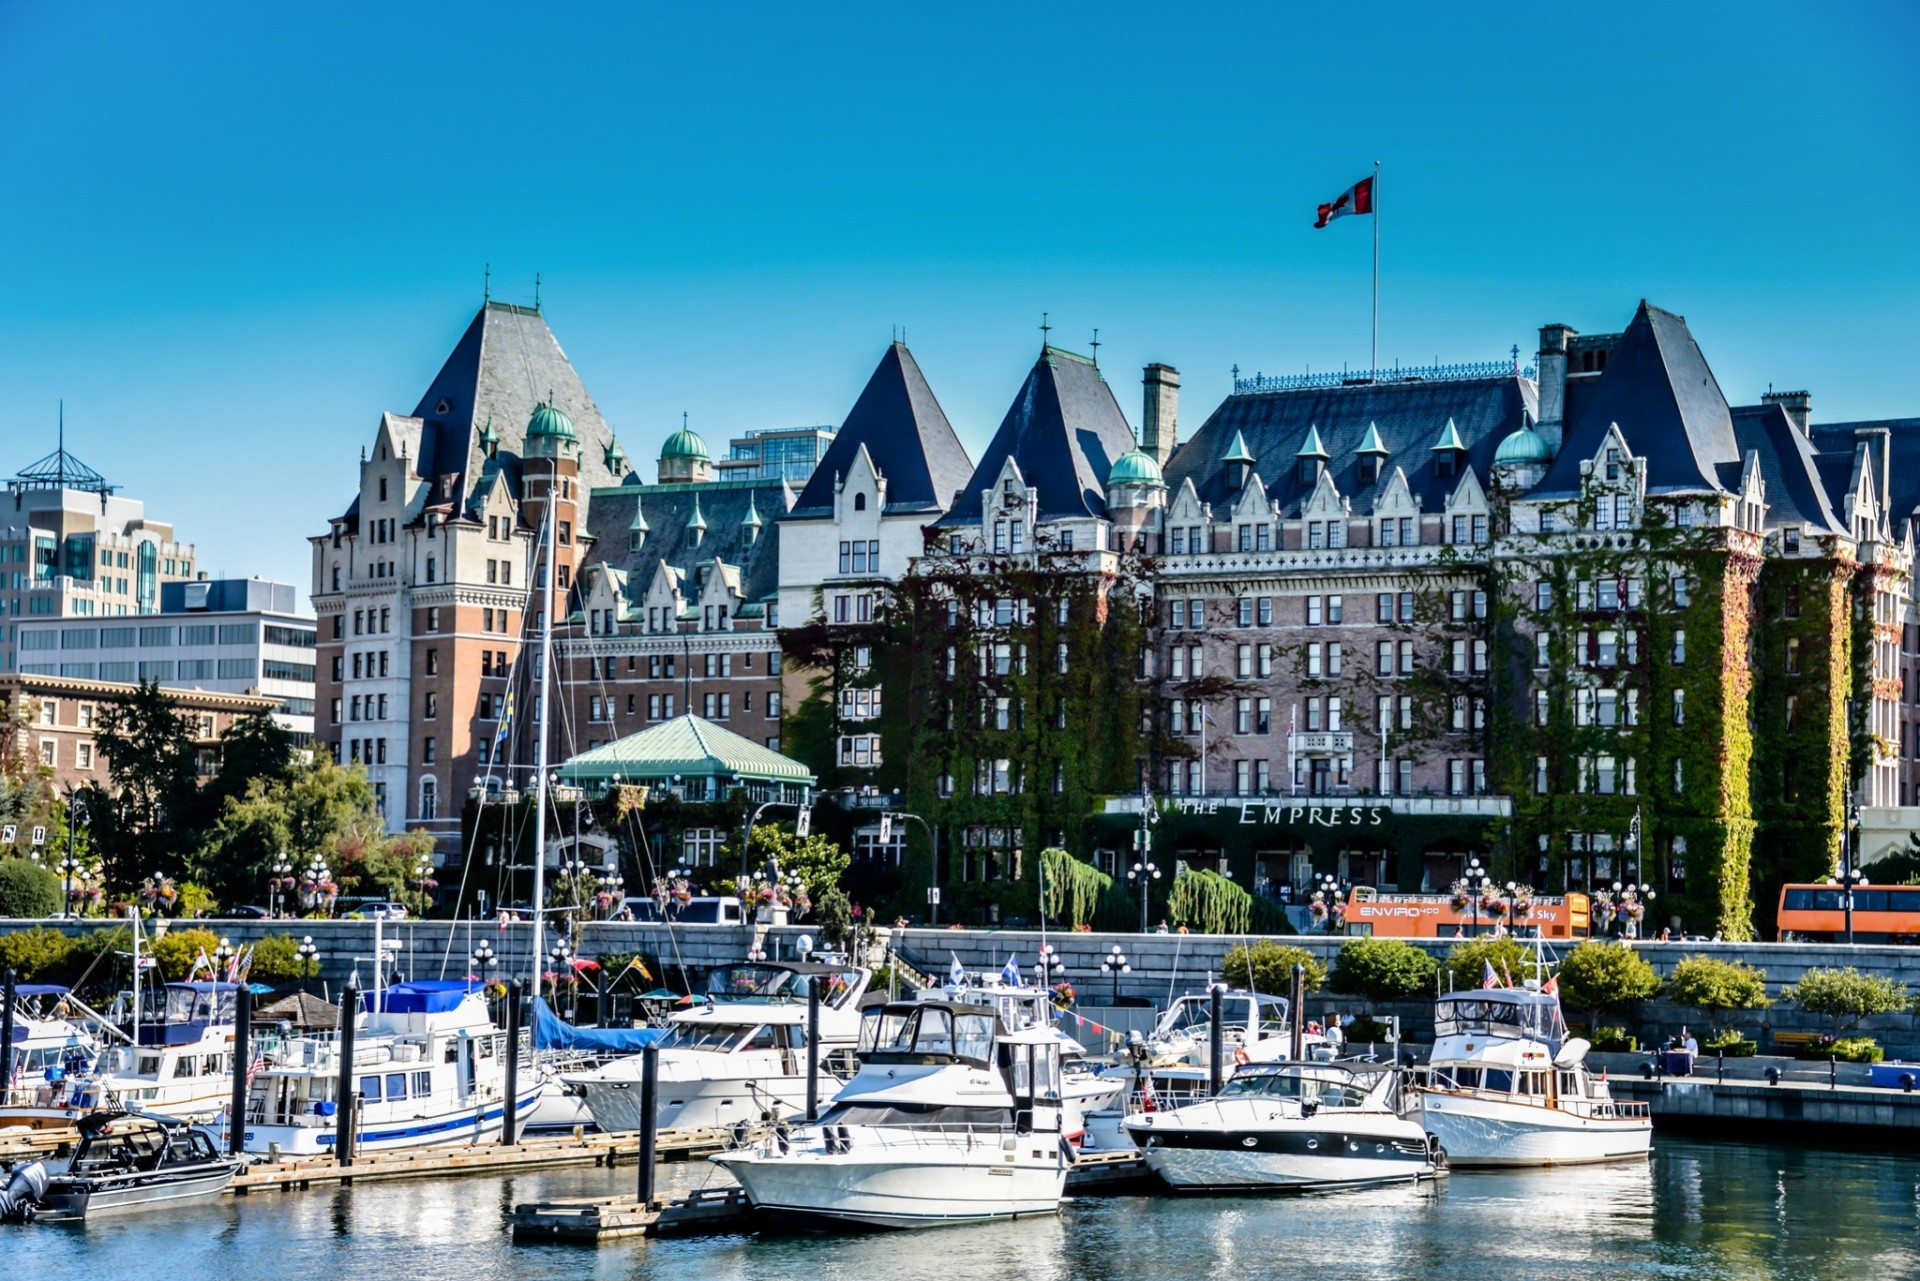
1429, 916
1881, 914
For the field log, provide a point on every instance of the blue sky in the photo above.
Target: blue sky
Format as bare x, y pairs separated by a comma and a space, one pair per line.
236, 234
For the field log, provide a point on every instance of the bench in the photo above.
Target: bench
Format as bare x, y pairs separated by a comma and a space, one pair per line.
1794, 1040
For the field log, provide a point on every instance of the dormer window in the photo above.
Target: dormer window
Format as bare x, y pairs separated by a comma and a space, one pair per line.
383, 489
1007, 491
694, 534
859, 502
1613, 464
1790, 538
1445, 464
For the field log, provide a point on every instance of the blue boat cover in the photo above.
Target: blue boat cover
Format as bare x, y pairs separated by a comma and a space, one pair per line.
551, 1032
424, 996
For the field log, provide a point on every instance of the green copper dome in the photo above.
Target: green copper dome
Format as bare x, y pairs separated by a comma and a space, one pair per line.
550, 421
1523, 448
1135, 467
684, 444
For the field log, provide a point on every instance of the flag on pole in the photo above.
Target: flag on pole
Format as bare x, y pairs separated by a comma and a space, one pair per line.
636, 964
506, 720
956, 973
1357, 199
1010, 973
1509, 973
1488, 979
1552, 987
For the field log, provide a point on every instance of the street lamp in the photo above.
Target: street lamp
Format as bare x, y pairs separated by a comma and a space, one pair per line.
309, 959
1050, 964
560, 955
1849, 878
76, 819
1634, 902
222, 957
423, 882
1143, 874
1325, 900
1477, 884
279, 881
316, 890
1115, 963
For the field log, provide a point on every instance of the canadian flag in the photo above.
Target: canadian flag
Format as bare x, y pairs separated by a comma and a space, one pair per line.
1357, 199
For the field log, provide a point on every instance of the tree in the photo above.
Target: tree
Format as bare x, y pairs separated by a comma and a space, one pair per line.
1600, 976
176, 951
277, 959
28, 889
818, 860
1467, 962
1267, 967
35, 955
143, 822
254, 748
1845, 996
1714, 987
1383, 969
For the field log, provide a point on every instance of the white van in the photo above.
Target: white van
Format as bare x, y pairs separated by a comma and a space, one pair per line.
715, 910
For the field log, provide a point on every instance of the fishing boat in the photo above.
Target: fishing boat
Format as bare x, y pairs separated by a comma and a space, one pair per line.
952, 1118
429, 1067
135, 1161
1506, 1086
740, 1052
1289, 1127
56, 1041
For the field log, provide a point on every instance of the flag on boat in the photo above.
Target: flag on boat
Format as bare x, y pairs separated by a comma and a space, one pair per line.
1488, 979
1357, 199
1509, 973
645, 973
1010, 974
506, 720
956, 973
199, 961
1551, 987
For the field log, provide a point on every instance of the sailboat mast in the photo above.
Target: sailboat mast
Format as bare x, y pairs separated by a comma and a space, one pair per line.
543, 584
133, 920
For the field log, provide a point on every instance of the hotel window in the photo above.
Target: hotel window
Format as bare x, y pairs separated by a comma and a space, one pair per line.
1406, 658
1543, 596
1541, 651
1793, 655
1406, 607
1539, 776
1314, 604
1263, 716
1383, 658
1679, 707
1266, 659
1177, 615
1243, 716
1244, 659
1456, 777
1679, 777
1245, 607
1404, 785
1679, 646
1314, 659
1682, 590
1335, 611
1383, 608
1313, 716
1333, 658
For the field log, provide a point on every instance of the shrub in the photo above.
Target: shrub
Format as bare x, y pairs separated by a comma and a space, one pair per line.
1851, 1049
276, 959
1714, 987
1267, 967
1731, 1044
1614, 1040
833, 915
177, 950
1383, 969
1365, 1031
28, 890
1467, 962
1600, 976
1845, 996
36, 956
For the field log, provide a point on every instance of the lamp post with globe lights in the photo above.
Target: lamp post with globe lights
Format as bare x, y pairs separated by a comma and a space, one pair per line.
1115, 964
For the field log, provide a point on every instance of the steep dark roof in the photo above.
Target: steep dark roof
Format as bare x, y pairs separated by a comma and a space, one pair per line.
1064, 430
1903, 466
505, 365
907, 436
1797, 494
669, 510
1411, 416
1659, 389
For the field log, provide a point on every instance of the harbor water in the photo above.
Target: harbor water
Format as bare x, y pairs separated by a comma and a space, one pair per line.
1697, 1211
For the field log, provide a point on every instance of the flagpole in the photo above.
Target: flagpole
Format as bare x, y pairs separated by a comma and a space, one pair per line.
1376, 268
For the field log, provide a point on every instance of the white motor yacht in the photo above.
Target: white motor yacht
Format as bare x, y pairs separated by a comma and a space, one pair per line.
741, 1053
1506, 1087
179, 1062
952, 1118
1084, 1088
429, 1066
54, 1049
1288, 1127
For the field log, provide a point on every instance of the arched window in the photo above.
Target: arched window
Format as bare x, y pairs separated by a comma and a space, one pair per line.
859, 502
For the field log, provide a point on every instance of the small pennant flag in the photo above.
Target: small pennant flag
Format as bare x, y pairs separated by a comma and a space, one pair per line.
1357, 199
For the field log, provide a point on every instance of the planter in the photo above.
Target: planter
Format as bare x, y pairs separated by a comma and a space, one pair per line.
770, 915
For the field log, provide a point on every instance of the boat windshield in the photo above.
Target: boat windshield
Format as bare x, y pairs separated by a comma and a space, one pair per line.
199, 1003
714, 1038
931, 1030
926, 1116
1327, 1092
1510, 1013
750, 982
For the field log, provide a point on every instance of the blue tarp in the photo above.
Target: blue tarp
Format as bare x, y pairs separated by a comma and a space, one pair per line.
551, 1032
425, 996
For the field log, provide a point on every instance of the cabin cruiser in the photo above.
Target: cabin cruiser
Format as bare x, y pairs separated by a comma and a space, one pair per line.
178, 1062
1506, 1087
54, 1049
1288, 1127
1084, 1087
952, 1118
429, 1066
135, 1161
741, 1053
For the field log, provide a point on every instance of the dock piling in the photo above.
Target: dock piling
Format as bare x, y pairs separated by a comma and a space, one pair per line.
510, 1112
813, 1048
242, 1064
343, 1093
1216, 1039
649, 1118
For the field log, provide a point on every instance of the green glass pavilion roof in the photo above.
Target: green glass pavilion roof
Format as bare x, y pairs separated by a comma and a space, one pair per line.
689, 746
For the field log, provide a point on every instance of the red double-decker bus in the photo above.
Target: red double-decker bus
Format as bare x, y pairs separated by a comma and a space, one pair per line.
1881, 913
1389, 914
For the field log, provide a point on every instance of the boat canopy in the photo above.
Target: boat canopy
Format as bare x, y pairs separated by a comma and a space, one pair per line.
1500, 1012
930, 1032
780, 981
423, 996
551, 1032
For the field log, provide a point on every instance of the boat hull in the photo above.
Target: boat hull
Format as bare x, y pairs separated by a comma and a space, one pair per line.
717, 1102
886, 1185
1490, 1132
90, 1198
1290, 1160
470, 1125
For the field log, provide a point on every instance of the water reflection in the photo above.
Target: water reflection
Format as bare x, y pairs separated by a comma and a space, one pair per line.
1698, 1211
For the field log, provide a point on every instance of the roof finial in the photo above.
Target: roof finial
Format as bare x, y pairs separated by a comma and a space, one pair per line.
486, 285
1096, 349
1045, 329
683, 420
1516, 358
62, 464
536, 291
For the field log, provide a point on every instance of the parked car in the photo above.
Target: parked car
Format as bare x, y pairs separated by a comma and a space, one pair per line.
245, 912
384, 912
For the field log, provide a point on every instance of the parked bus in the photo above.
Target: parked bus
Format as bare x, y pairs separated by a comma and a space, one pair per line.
1881, 914
1433, 916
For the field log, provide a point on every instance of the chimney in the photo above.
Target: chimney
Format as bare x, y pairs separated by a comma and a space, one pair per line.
1879, 443
1552, 364
1799, 407
1160, 415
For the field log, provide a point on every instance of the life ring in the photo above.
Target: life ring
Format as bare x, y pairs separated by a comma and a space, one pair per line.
1240, 1056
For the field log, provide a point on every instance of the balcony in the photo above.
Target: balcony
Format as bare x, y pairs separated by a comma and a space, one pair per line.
1324, 743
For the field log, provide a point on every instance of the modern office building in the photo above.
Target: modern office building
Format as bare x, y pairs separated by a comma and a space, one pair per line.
72, 547
776, 454
232, 636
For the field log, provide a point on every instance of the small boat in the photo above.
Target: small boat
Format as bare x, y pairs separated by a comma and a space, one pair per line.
1289, 1127
952, 1118
1506, 1087
135, 1161
740, 1055
429, 1067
